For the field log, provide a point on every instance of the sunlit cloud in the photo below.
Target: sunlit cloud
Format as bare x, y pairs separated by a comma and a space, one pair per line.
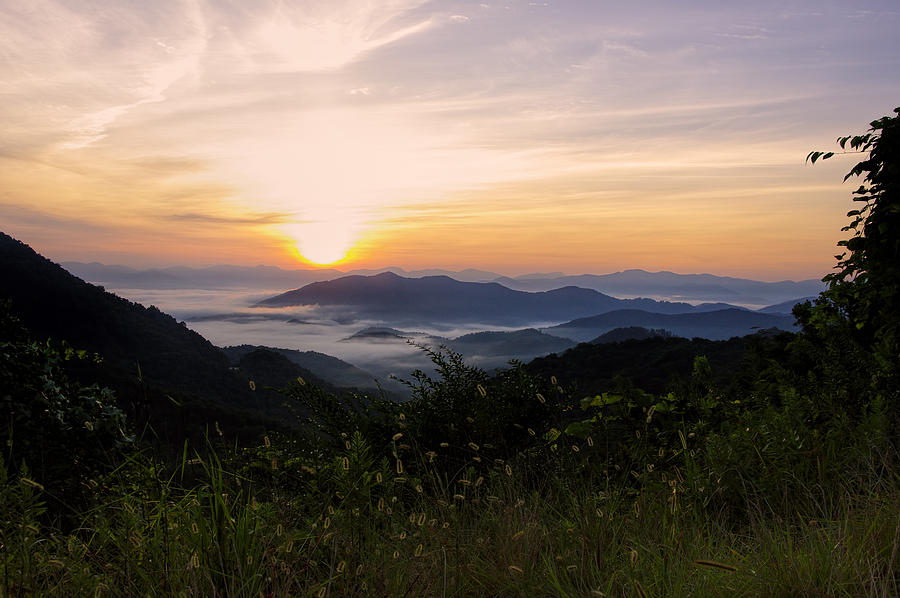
578, 136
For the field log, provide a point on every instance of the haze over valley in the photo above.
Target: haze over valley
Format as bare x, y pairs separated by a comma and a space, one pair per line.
378, 321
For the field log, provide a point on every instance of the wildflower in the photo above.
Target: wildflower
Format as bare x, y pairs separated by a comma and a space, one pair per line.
252, 385
274, 463
266, 441
218, 429
445, 444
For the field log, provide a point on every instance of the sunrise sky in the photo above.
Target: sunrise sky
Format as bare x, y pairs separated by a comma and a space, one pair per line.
574, 136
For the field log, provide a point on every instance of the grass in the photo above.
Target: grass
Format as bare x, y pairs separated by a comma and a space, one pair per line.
152, 533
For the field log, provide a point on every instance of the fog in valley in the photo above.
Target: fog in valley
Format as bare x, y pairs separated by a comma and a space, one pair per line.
226, 318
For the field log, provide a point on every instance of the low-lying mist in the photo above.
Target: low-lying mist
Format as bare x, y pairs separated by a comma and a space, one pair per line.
225, 318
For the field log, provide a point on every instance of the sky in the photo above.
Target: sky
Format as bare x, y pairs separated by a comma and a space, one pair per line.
575, 136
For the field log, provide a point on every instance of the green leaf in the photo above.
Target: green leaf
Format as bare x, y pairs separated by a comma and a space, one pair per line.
579, 429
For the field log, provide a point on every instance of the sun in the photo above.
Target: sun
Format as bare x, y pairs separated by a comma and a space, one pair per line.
323, 243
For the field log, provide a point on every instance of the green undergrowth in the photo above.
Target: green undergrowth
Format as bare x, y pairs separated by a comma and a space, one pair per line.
361, 529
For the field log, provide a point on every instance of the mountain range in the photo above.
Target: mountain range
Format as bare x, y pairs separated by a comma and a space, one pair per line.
714, 325
440, 299
627, 283
183, 383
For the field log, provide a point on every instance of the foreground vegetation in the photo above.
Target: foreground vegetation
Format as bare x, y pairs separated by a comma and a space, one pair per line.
780, 481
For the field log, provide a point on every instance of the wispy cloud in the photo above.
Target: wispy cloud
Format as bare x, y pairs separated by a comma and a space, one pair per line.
401, 124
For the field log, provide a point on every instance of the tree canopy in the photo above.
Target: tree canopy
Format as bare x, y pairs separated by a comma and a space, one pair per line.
863, 296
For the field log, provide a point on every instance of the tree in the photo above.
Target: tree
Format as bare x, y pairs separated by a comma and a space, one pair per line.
863, 295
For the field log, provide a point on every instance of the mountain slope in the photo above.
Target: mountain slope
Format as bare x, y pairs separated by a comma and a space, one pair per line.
394, 298
714, 325
333, 371
163, 373
687, 287
651, 364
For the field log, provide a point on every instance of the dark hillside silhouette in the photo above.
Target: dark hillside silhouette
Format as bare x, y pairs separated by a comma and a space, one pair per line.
147, 355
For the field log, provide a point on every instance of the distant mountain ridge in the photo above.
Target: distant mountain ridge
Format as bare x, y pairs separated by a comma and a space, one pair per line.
714, 325
684, 287
626, 283
390, 297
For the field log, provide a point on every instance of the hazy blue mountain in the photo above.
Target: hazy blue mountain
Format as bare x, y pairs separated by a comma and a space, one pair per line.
714, 325
628, 283
212, 277
392, 298
785, 307
684, 287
